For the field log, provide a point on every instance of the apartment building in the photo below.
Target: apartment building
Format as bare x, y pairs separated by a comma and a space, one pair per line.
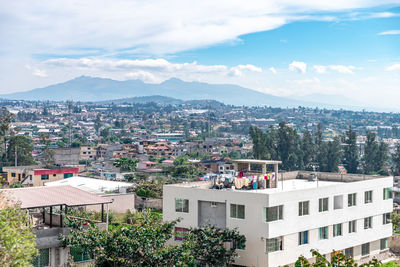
37, 176
288, 217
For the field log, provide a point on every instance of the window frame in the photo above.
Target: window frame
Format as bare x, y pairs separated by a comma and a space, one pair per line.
183, 202
341, 202
44, 177
337, 229
368, 223
276, 243
279, 213
352, 226
323, 233
368, 196
385, 243
387, 193
322, 206
352, 200
303, 238
304, 208
365, 246
385, 219
236, 211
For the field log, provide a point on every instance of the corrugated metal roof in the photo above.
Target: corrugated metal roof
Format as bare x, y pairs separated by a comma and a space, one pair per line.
44, 196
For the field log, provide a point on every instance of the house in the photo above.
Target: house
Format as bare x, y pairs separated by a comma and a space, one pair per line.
88, 153
285, 215
160, 149
47, 207
37, 176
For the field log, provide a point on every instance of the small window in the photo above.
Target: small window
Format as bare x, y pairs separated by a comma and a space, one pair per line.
44, 177
180, 233
368, 196
13, 174
303, 208
387, 218
353, 226
323, 233
337, 229
368, 223
351, 199
348, 253
365, 249
237, 211
387, 193
303, 238
273, 213
384, 243
323, 204
181, 205
338, 202
274, 244
67, 175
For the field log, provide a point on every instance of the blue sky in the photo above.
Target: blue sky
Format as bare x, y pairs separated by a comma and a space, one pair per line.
287, 48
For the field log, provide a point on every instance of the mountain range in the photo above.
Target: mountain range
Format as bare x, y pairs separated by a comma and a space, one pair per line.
93, 89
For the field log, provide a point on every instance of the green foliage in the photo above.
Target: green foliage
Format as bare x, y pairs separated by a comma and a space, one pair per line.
375, 155
338, 259
88, 214
396, 160
16, 185
149, 190
126, 164
24, 150
396, 221
17, 242
351, 151
144, 243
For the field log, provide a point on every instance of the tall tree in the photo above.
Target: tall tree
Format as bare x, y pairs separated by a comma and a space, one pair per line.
5, 121
351, 158
307, 147
126, 164
333, 155
288, 148
320, 149
382, 158
396, 160
21, 147
370, 153
48, 153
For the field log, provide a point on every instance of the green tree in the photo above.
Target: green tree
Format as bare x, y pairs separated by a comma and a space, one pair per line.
21, 146
17, 242
333, 155
126, 164
288, 148
338, 259
48, 153
370, 153
5, 120
351, 151
382, 158
307, 147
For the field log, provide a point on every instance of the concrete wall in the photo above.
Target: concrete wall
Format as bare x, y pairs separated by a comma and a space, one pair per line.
148, 203
121, 203
257, 231
67, 156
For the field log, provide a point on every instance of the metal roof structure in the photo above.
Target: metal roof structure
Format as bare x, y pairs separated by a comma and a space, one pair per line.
47, 196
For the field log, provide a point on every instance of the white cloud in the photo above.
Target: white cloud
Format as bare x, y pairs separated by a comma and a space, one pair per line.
338, 68
155, 27
238, 70
308, 81
298, 66
391, 32
39, 73
145, 76
273, 70
393, 67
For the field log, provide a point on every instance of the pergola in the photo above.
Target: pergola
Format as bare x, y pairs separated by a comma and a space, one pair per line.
245, 164
55, 196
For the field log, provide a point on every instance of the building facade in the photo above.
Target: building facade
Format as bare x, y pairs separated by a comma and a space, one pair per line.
349, 213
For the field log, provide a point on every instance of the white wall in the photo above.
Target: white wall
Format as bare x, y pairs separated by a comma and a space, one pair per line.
256, 230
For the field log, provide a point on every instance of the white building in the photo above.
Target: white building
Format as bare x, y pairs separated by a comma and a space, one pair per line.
349, 213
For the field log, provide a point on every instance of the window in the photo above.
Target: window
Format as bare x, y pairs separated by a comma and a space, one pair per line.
368, 196
338, 202
353, 226
180, 233
384, 243
387, 193
303, 208
387, 218
44, 177
351, 199
348, 252
323, 204
79, 255
337, 229
303, 238
274, 244
364, 249
67, 175
273, 213
323, 232
237, 211
181, 205
13, 174
368, 223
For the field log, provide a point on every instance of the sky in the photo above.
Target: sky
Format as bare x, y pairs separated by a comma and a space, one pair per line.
286, 48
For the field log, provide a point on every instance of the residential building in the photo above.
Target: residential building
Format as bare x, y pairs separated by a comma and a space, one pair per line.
292, 214
37, 176
88, 153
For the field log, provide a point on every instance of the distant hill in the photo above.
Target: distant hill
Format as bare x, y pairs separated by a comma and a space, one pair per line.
145, 99
100, 89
